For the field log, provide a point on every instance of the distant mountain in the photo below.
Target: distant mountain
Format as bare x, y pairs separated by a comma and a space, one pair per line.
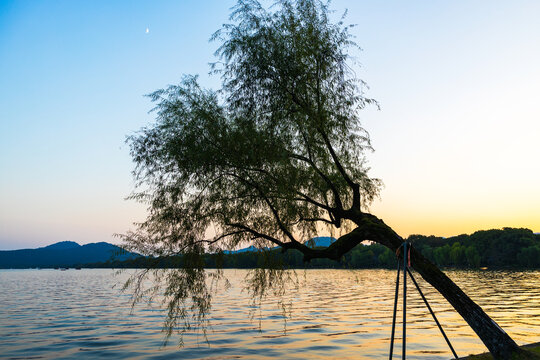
62, 245
62, 254
319, 241
248, 249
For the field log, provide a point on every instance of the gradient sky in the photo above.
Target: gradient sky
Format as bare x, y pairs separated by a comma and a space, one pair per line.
457, 138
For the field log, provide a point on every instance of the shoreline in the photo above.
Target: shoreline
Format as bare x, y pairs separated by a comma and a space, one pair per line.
534, 348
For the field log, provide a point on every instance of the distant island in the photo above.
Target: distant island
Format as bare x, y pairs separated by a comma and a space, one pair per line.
495, 249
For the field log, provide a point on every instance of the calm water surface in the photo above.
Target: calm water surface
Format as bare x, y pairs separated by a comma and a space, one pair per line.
345, 314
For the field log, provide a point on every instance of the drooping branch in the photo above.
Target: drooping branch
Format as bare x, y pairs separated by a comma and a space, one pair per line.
306, 198
265, 198
329, 222
189, 245
354, 186
256, 233
369, 227
356, 201
337, 198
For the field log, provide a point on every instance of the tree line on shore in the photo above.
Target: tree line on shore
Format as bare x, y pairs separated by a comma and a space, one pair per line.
495, 249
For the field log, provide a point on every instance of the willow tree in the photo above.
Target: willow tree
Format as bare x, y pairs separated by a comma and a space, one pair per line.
274, 156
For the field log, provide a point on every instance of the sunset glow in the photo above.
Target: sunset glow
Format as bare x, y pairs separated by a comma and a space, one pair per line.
456, 136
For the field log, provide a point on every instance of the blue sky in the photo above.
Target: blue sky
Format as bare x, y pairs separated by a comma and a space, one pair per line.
456, 138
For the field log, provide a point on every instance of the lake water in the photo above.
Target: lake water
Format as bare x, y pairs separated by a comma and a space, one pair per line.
345, 314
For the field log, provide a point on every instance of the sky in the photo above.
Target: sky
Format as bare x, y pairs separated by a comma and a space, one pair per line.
457, 136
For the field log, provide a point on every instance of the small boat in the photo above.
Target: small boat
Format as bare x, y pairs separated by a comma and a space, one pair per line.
483, 268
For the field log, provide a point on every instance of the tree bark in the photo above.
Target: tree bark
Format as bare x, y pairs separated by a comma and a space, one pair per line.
498, 342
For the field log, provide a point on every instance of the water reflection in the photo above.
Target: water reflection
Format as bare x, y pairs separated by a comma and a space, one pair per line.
334, 314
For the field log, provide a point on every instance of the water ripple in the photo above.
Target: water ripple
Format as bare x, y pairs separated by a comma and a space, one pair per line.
333, 314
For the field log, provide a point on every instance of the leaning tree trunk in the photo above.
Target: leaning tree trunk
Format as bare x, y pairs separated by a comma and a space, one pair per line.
499, 344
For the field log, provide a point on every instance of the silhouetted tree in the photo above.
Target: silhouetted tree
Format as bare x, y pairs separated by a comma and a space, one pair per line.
269, 159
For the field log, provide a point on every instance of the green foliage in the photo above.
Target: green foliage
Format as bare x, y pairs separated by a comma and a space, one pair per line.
530, 256
491, 248
472, 256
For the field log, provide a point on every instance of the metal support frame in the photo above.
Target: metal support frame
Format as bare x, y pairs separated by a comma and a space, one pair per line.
433, 314
395, 312
404, 340
405, 271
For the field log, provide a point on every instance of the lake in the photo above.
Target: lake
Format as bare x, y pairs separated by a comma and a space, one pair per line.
345, 314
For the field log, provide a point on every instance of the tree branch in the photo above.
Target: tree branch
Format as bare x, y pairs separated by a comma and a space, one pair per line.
331, 222
368, 227
268, 202
354, 186
331, 185
257, 234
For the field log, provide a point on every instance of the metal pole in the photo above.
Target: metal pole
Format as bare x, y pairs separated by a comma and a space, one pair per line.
433, 314
404, 349
395, 312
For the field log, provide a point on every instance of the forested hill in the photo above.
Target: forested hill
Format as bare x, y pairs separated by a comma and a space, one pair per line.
495, 249
508, 247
